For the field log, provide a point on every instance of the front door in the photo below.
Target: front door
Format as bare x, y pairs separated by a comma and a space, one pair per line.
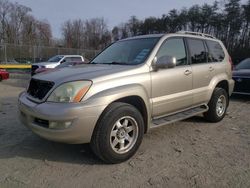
172, 87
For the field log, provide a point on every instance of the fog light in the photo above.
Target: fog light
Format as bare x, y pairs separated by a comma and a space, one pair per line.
59, 124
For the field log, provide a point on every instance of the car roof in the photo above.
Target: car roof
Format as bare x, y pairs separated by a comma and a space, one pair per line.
69, 55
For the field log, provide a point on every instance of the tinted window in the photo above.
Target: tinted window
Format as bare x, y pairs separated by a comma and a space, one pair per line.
216, 53
197, 51
175, 48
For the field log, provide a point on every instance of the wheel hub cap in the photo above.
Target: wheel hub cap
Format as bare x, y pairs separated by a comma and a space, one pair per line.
221, 105
121, 133
124, 134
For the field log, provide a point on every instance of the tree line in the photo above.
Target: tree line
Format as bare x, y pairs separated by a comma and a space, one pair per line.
18, 26
228, 20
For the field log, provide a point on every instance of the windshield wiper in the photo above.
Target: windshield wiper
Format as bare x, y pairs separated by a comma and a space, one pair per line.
118, 63
112, 63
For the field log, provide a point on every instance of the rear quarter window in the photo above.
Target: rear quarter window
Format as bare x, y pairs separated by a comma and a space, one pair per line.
215, 51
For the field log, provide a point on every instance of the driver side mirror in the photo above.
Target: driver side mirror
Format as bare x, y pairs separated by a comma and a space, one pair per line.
164, 62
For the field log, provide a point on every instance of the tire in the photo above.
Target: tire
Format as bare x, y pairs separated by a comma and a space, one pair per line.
118, 133
217, 106
1, 78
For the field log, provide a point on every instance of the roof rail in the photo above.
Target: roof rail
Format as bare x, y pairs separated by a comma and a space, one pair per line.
196, 33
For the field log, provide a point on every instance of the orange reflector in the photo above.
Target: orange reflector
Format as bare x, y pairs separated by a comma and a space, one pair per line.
80, 94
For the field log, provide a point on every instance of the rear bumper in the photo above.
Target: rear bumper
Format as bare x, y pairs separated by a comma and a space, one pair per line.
83, 118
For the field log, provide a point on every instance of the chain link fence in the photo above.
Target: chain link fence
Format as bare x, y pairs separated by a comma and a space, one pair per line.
27, 54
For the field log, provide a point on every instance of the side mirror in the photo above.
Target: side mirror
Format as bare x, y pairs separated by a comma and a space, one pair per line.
164, 62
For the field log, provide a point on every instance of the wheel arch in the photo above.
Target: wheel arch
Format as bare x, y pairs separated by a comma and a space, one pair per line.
224, 85
133, 94
139, 104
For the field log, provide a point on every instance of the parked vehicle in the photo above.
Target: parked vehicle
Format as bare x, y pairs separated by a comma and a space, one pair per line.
66, 64
132, 86
4, 75
54, 61
241, 76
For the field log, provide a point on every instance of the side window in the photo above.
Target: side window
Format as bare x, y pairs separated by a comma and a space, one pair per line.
216, 53
197, 51
76, 59
67, 59
174, 47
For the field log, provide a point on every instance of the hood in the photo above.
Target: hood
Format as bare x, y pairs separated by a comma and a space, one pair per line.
82, 72
47, 64
241, 73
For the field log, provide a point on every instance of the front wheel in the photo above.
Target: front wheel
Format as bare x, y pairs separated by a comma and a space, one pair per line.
217, 105
118, 133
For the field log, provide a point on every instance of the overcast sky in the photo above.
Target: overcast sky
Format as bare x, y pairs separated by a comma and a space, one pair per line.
113, 11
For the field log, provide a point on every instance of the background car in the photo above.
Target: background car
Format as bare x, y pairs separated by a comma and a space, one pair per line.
66, 64
56, 60
3, 74
241, 76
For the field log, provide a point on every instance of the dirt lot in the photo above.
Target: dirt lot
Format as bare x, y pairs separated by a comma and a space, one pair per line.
191, 153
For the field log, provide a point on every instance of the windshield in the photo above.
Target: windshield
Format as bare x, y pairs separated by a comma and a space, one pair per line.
56, 58
245, 64
128, 52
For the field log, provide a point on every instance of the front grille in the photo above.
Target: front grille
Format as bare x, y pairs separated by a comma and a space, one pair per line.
242, 85
39, 88
33, 69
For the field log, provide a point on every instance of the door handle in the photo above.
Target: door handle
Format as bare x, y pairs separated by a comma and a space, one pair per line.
211, 68
187, 72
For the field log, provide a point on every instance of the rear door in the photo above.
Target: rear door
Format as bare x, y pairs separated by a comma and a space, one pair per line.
216, 57
202, 69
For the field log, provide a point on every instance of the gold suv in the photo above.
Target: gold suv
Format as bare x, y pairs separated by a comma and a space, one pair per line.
132, 86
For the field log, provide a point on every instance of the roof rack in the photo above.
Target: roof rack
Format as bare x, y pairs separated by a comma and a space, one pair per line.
197, 34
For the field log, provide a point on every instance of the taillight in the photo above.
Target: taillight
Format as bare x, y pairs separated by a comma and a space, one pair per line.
231, 63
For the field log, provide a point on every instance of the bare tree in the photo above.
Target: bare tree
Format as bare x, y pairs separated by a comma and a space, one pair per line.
17, 26
44, 34
4, 14
91, 34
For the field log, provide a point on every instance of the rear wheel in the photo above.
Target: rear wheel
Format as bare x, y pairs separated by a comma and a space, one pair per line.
118, 133
217, 105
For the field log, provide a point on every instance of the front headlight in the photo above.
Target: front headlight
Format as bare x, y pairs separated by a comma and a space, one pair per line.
70, 92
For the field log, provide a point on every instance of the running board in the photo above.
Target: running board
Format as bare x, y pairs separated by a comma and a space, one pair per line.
178, 116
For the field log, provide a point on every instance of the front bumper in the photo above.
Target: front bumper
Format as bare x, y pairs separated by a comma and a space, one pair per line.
82, 115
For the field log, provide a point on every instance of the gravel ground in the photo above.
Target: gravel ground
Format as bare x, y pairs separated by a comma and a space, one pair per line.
190, 153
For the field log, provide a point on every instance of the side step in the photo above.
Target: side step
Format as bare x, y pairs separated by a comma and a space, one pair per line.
179, 116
